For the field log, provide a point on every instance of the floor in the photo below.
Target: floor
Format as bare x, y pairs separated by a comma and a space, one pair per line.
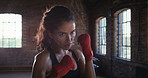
101, 76
22, 75
15, 75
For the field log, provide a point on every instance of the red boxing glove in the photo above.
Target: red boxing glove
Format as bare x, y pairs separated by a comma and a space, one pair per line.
63, 67
85, 41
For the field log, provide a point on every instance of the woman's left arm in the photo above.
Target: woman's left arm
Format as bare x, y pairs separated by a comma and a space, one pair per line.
86, 67
85, 42
89, 70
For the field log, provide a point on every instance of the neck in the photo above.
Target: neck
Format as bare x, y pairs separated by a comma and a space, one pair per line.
58, 50
63, 52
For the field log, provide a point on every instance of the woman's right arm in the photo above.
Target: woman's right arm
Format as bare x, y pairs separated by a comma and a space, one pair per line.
41, 66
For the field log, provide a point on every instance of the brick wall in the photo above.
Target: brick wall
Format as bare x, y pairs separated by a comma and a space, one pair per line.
31, 10
110, 65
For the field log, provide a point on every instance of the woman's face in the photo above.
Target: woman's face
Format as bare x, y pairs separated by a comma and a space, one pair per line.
65, 34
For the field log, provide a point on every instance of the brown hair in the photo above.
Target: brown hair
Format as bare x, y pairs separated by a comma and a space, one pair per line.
51, 20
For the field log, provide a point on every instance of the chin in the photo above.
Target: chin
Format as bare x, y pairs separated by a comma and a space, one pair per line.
66, 48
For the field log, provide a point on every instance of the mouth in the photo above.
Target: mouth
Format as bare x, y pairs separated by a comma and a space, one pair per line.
69, 44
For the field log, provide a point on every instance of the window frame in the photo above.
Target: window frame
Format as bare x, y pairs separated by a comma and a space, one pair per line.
99, 35
118, 52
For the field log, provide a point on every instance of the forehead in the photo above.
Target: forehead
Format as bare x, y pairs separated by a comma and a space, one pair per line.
66, 26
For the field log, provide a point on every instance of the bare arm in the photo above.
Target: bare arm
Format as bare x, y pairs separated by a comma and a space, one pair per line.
85, 42
86, 67
89, 70
81, 62
41, 66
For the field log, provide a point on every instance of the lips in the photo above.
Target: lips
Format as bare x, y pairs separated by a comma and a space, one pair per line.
68, 44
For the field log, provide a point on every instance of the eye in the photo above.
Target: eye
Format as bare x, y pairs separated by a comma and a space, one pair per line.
62, 34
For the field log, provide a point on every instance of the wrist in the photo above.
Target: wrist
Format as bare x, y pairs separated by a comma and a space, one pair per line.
88, 55
88, 59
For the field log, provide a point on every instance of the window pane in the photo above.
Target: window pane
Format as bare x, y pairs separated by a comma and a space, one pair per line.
104, 40
128, 29
121, 18
124, 28
10, 30
128, 15
103, 49
124, 52
124, 34
128, 41
102, 36
104, 31
124, 39
128, 52
124, 16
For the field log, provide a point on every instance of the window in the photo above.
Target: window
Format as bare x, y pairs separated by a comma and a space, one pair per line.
101, 35
124, 34
10, 30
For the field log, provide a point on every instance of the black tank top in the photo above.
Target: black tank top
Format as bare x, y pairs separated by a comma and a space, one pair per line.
70, 74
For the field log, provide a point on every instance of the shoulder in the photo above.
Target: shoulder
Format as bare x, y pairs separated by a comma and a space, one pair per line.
42, 65
42, 60
43, 55
79, 54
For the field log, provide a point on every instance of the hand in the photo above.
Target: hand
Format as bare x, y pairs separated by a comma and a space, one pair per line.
63, 67
85, 43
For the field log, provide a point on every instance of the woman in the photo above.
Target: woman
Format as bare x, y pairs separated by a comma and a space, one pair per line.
55, 38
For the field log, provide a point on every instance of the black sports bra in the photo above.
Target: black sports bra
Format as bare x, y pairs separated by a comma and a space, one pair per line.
70, 74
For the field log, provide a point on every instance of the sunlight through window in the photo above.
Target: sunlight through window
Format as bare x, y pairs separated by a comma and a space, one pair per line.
102, 36
10, 30
124, 33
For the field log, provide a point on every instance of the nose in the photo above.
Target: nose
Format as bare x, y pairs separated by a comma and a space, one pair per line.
69, 38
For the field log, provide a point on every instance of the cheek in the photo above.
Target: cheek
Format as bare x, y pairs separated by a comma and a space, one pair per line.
60, 40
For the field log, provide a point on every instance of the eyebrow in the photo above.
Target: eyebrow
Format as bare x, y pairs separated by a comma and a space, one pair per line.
62, 32
66, 33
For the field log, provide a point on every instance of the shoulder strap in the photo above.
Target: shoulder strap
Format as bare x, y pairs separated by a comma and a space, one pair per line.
52, 56
74, 55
